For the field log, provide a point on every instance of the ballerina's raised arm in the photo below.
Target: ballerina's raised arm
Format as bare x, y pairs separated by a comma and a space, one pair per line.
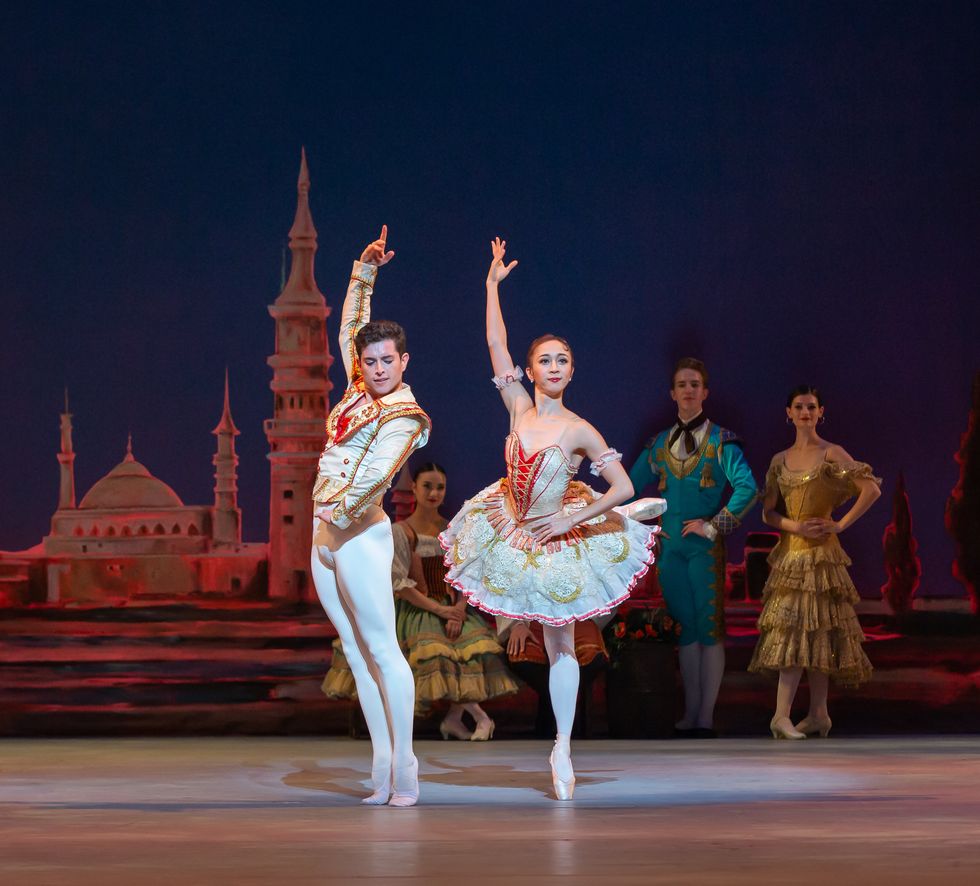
506, 373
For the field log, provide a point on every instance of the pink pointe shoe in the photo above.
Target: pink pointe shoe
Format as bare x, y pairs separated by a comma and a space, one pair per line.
381, 782
564, 787
406, 785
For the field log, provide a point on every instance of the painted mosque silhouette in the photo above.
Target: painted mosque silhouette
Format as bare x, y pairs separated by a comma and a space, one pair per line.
130, 539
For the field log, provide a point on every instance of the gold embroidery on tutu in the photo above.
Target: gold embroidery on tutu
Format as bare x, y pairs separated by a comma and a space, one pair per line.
624, 553
565, 598
491, 587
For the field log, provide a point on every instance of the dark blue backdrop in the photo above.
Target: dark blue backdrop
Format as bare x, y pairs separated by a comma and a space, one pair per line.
787, 190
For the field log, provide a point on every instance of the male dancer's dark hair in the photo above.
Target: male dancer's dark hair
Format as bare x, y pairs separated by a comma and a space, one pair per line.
380, 330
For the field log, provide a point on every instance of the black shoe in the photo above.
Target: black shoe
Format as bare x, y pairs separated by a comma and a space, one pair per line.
685, 733
704, 732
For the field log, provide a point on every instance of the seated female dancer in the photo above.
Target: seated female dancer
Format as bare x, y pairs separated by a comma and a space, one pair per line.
454, 656
526, 657
537, 546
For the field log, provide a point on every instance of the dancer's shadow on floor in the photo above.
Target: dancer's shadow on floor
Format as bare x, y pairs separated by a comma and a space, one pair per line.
311, 776
496, 775
336, 779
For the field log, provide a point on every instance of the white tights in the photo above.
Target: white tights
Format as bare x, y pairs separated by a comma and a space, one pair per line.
559, 643
352, 574
702, 669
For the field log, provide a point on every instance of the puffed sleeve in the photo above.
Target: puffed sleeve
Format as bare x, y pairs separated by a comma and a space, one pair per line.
402, 561
846, 475
772, 477
396, 440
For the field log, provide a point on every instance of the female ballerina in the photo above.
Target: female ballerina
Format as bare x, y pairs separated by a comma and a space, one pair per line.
536, 546
808, 619
454, 656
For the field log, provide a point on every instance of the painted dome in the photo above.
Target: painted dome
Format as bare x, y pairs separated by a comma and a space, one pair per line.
131, 486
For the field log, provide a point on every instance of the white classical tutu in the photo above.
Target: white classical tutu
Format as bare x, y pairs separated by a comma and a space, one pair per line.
497, 565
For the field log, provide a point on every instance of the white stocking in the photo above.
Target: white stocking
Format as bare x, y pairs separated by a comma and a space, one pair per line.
352, 575
559, 643
712, 671
689, 657
368, 693
563, 676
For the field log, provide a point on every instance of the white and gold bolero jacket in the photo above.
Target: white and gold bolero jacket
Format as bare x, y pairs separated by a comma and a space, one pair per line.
366, 448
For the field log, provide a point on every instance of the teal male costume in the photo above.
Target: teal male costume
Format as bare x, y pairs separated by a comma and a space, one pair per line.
691, 569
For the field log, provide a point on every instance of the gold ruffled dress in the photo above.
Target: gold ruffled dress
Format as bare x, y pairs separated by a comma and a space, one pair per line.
808, 618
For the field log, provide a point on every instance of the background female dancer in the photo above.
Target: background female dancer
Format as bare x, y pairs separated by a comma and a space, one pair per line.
536, 545
454, 656
808, 619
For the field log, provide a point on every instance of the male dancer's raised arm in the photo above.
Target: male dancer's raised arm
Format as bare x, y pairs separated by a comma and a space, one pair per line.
357, 304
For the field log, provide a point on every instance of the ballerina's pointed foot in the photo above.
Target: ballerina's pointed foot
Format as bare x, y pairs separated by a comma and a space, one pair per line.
814, 725
562, 774
406, 785
381, 782
782, 727
483, 731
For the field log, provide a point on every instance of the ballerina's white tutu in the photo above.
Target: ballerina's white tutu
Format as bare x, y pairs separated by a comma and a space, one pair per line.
498, 566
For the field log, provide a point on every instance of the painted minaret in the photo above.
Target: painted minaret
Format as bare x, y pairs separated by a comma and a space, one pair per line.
227, 529
300, 387
66, 489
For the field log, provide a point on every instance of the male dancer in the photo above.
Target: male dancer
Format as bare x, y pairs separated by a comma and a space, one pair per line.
371, 432
694, 460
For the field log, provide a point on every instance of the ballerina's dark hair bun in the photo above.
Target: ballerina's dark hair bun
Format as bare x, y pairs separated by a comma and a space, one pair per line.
803, 390
425, 468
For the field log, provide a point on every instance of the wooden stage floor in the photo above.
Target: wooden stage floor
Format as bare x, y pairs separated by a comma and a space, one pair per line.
238, 811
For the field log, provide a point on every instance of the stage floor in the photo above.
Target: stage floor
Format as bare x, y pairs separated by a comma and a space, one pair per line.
238, 811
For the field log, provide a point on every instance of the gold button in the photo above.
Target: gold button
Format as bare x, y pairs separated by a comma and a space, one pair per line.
342, 474
346, 461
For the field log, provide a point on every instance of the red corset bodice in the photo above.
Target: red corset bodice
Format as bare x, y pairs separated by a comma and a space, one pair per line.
536, 483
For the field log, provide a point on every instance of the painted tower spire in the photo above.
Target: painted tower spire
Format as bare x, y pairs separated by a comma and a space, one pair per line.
66, 458
300, 387
227, 527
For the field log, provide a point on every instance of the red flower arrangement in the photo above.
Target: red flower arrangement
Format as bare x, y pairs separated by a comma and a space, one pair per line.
641, 625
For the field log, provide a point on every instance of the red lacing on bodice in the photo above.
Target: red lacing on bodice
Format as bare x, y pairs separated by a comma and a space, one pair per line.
524, 471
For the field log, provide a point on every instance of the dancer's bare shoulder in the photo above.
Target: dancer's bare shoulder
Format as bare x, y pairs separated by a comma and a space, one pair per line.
836, 453
585, 439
